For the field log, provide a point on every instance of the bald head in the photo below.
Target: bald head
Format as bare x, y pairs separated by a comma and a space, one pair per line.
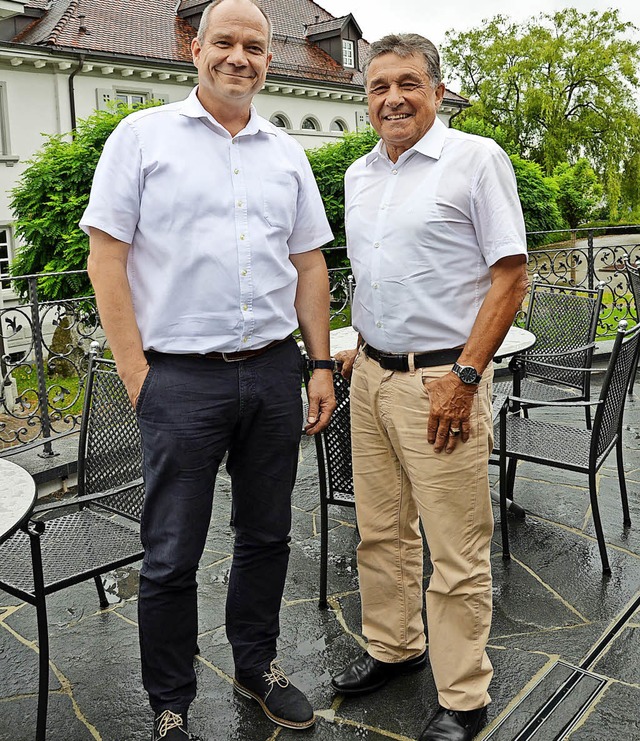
209, 11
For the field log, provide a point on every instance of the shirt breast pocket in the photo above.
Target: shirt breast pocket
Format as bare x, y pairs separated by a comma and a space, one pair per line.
280, 198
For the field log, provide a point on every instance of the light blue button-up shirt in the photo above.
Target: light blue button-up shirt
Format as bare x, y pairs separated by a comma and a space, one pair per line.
422, 234
212, 220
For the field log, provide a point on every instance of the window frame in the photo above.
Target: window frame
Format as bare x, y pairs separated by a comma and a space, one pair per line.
317, 126
5, 262
6, 156
284, 118
348, 54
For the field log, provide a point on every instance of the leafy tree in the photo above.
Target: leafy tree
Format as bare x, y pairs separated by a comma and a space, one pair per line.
579, 191
478, 126
538, 198
49, 200
329, 164
561, 86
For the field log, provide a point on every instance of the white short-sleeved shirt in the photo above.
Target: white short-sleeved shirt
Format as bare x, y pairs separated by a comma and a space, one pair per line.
422, 234
212, 220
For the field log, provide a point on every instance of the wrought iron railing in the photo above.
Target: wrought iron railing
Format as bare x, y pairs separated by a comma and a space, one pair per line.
44, 345
43, 362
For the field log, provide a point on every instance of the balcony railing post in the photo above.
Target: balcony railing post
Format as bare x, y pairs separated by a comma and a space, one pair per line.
591, 261
43, 397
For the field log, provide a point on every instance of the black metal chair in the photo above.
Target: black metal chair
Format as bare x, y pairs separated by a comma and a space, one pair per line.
564, 321
633, 279
82, 537
333, 450
570, 448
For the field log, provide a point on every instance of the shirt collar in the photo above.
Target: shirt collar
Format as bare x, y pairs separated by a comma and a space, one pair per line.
193, 108
430, 145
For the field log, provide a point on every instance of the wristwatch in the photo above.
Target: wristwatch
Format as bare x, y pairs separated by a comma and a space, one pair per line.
321, 365
467, 374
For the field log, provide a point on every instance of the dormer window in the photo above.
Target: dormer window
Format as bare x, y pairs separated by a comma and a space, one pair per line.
338, 37
348, 54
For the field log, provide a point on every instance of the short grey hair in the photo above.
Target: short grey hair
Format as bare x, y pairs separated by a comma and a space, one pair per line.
204, 21
405, 45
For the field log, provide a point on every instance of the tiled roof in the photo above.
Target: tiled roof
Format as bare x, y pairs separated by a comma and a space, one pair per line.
151, 29
335, 24
186, 4
145, 28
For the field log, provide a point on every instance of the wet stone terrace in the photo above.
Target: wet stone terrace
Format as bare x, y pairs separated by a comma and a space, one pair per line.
551, 602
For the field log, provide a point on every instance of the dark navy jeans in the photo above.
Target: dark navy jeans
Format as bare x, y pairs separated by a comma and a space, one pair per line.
192, 411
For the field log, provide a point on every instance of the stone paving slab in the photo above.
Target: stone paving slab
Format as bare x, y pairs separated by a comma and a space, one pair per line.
551, 601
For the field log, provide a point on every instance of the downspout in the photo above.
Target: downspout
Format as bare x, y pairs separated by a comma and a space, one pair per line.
455, 115
72, 95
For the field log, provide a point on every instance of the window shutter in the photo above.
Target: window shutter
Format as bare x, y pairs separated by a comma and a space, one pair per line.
362, 120
104, 97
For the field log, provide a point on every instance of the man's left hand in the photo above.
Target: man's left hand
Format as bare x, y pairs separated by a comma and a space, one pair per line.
322, 401
450, 409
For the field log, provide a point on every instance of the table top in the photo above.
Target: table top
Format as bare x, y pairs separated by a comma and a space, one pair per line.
517, 340
17, 497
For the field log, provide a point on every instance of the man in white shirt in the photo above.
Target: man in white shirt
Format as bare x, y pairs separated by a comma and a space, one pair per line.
436, 239
205, 224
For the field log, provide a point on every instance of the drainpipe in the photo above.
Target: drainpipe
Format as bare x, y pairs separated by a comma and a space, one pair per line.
455, 115
72, 95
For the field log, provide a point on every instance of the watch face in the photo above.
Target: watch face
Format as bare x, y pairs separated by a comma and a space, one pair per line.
468, 374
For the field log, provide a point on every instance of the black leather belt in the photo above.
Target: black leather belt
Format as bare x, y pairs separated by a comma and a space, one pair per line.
234, 357
391, 361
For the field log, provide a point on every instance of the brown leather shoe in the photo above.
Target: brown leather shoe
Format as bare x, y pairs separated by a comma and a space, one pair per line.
367, 674
454, 725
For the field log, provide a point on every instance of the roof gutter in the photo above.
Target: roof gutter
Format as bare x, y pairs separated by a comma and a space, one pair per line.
72, 95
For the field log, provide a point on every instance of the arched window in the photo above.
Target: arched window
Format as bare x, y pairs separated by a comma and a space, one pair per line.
338, 126
280, 120
310, 124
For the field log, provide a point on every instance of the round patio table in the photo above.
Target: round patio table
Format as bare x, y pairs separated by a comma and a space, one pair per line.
17, 497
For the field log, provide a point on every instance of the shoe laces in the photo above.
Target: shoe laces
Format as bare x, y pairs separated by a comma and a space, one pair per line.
276, 675
168, 720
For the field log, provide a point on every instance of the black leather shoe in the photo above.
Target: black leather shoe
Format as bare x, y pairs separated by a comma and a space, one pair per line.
170, 726
454, 725
367, 674
281, 702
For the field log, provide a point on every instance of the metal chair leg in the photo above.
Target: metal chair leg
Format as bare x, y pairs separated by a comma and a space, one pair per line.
595, 511
104, 602
622, 481
503, 489
324, 553
35, 530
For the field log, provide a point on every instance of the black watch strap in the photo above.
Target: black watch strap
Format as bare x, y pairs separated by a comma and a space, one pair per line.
321, 365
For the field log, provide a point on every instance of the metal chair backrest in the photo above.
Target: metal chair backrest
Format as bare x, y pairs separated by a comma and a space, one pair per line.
333, 447
633, 279
110, 448
562, 319
608, 419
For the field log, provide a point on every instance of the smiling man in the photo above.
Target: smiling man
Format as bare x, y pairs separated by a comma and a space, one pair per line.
205, 225
436, 239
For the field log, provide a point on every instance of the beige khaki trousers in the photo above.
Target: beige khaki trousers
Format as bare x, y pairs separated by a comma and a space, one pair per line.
399, 480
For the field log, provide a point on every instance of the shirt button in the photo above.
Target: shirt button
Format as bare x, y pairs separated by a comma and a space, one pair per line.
243, 272
378, 324
245, 339
395, 172
244, 307
242, 237
239, 204
376, 244
374, 285
236, 171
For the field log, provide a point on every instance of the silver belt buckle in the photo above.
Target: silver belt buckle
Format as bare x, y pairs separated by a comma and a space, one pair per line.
231, 360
